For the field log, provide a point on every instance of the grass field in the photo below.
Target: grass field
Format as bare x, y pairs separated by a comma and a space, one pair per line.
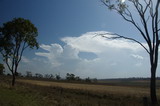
103, 89
47, 93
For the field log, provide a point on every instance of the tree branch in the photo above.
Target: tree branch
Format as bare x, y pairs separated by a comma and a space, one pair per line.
6, 60
141, 13
147, 5
117, 36
23, 48
131, 20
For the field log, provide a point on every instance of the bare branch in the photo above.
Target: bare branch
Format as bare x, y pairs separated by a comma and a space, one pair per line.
130, 19
21, 52
151, 8
158, 21
147, 19
6, 60
147, 5
117, 36
143, 21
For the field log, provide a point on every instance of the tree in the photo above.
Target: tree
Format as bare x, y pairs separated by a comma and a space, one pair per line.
88, 79
148, 27
38, 75
94, 80
70, 77
18, 74
58, 77
77, 78
49, 76
17, 35
1, 69
28, 74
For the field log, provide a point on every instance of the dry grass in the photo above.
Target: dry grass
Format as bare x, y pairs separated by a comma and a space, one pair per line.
103, 89
47, 93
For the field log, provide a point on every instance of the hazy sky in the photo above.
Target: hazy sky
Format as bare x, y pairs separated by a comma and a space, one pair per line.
67, 30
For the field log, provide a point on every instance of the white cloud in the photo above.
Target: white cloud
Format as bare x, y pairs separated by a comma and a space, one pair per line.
45, 47
114, 58
137, 56
90, 42
122, 1
111, 59
54, 51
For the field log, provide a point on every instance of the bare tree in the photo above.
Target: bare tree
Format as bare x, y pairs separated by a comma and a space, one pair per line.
147, 25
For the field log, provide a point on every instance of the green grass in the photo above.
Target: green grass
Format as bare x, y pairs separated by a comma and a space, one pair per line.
19, 96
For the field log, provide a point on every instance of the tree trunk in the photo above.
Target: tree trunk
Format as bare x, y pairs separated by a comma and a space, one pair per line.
153, 85
13, 79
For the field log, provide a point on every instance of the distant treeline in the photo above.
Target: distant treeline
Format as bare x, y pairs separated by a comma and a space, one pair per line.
69, 77
128, 79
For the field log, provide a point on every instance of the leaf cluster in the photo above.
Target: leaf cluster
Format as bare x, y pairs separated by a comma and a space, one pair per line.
17, 35
117, 5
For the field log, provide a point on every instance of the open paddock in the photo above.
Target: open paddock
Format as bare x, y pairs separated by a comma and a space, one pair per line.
103, 89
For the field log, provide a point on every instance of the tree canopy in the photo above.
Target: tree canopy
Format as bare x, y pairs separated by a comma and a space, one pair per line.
15, 37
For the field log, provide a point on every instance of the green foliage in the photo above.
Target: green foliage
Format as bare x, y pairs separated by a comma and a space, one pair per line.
77, 78
17, 34
15, 37
117, 5
58, 77
49, 76
20, 30
28, 74
88, 79
70, 77
38, 75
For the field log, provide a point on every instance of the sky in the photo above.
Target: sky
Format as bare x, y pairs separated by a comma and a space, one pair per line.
67, 34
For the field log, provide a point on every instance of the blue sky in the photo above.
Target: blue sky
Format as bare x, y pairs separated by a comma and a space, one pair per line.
65, 28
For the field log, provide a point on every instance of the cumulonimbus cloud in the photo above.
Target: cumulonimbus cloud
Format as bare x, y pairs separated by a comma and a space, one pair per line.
94, 42
114, 58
